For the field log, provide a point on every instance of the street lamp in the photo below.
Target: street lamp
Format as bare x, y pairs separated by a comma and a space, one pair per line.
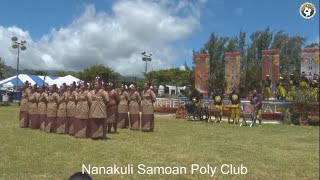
0, 67
146, 57
18, 45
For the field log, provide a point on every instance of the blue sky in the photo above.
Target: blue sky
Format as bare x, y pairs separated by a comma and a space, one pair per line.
37, 19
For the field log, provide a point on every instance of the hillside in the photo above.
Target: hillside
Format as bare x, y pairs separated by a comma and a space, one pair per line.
8, 71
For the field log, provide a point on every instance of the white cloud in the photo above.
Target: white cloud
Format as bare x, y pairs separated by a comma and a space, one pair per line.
238, 11
317, 40
115, 40
182, 68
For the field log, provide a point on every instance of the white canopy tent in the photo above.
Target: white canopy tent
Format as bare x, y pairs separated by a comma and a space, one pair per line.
172, 89
66, 79
175, 89
34, 79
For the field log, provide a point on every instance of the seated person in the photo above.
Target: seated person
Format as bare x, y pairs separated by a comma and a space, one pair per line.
181, 112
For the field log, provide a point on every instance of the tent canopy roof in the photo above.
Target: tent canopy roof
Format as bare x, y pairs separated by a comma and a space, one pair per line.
34, 79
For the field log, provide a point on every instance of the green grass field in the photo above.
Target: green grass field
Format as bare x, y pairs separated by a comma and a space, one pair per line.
268, 152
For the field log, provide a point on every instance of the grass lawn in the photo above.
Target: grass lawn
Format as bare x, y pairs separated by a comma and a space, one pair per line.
268, 152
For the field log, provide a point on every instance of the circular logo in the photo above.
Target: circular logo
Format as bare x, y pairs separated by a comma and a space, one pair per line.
234, 97
307, 10
218, 98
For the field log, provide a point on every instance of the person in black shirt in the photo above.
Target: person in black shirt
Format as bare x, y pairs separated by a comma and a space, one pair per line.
313, 83
235, 102
217, 99
315, 77
257, 102
198, 106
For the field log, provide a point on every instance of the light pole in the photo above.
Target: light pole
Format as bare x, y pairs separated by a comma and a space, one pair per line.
18, 45
0, 67
146, 57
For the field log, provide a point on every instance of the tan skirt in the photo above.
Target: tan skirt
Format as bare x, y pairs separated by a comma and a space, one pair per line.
134, 121
97, 128
70, 124
147, 122
123, 120
80, 128
50, 124
61, 125
34, 121
42, 121
23, 119
112, 114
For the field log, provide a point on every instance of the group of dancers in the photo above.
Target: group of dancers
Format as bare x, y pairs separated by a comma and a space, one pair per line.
286, 88
87, 113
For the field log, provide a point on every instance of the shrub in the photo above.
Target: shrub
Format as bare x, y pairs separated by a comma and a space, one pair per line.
304, 108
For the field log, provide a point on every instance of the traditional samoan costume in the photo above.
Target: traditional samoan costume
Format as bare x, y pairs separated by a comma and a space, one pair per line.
134, 110
98, 114
123, 109
52, 109
42, 110
147, 112
33, 111
71, 111
112, 109
81, 129
23, 117
61, 123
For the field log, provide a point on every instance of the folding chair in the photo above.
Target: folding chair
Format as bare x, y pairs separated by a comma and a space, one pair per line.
191, 111
248, 112
205, 112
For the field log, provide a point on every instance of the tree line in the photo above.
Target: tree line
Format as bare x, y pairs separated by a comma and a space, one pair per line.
216, 46
251, 55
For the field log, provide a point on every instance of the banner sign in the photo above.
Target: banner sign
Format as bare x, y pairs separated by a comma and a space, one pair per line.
232, 71
310, 62
274, 110
269, 108
202, 74
169, 105
270, 65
